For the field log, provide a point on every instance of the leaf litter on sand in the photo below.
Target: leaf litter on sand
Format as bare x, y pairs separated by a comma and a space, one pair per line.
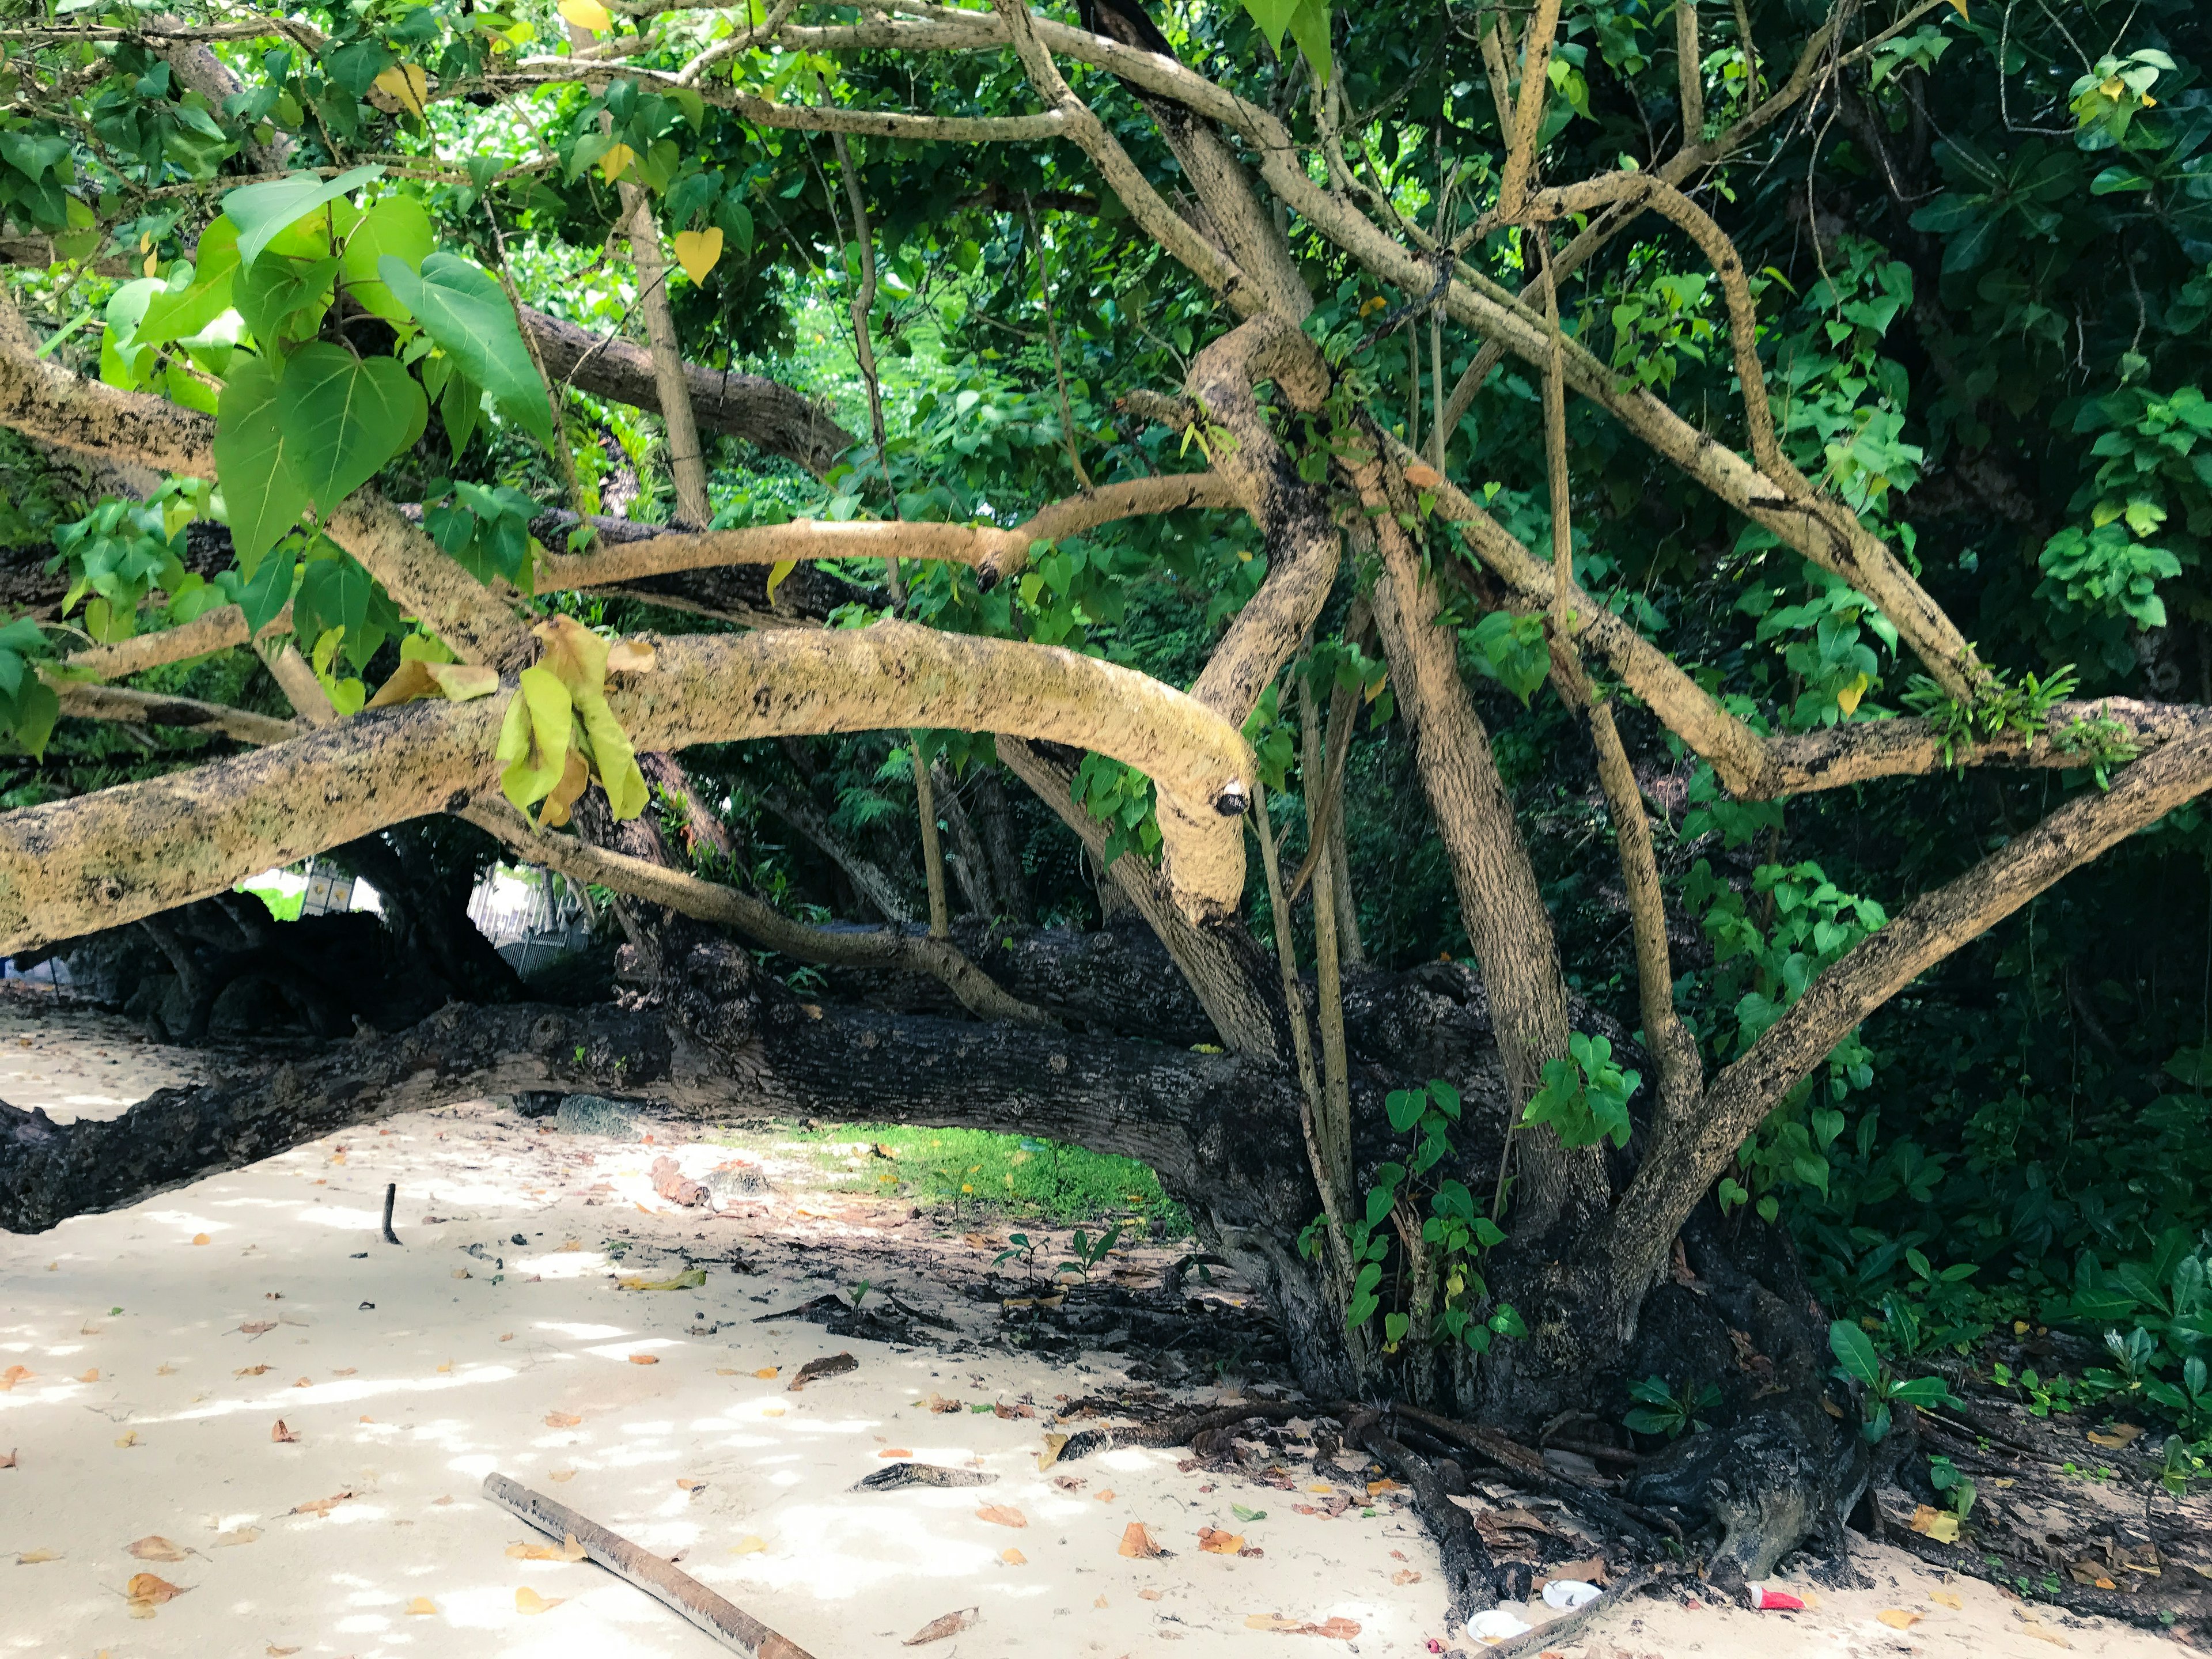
834, 1364
948, 1625
567, 1550
1137, 1543
527, 1600
146, 1592
1339, 1630
155, 1548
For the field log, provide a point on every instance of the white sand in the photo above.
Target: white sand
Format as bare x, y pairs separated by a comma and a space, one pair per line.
145, 1416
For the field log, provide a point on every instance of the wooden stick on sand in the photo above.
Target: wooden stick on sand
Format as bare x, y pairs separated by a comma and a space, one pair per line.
732, 1625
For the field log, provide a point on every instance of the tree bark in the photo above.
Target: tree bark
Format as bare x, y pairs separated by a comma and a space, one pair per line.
1503, 912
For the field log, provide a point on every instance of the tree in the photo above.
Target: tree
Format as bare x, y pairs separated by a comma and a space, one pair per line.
1451, 1186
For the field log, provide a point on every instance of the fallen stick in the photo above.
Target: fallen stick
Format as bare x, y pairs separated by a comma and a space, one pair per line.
391, 1196
663, 1580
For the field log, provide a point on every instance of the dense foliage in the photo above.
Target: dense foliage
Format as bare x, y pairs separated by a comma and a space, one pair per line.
1983, 262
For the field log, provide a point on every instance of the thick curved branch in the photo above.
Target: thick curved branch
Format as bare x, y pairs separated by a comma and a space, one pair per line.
760, 411
1303, 547
1682, 1166
2074, 734
993, 552
894, 948
69, 867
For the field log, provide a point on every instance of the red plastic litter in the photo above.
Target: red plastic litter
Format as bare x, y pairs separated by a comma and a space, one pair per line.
1775, 1601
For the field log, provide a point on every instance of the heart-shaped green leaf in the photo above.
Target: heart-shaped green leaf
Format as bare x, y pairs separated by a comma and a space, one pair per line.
463, 309
254, 452
345, 416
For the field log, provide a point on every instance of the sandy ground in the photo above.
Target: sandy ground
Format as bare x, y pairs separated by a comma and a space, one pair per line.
164, 1343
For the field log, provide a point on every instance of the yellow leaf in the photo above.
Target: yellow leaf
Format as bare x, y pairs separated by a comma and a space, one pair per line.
2118, 1434
1216, 1542
777, 572
93, 1376
562, 1420
527, 1600
1961, 5
750, 1546
33, 1557
236, 1535
1013, 1557
406, 85
767, 1372
1054, 1444
691, 1279
1002, 1515
202, 1239
689, 1483
616, 161
698, 251
421, 1604
129, 1440
588, 15
1946, 1598
560, 1475
1898, 1618
645, 1360
145, 1587
1847, 697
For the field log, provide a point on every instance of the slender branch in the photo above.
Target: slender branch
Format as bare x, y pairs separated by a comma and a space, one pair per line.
1682, 1166
893, 949
83, 701
1689, 72
45, 401
211, 631
1529, 107
995, 554
1668, 1042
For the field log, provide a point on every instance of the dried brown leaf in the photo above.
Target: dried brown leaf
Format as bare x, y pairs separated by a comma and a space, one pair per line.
1002, 1515
940, 1629
155, 1548
1137, 1543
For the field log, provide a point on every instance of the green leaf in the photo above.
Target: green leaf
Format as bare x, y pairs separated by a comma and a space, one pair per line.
1274, 17
397, 227
1310, 26
260, 211
338, 594
347, 415
1853, 1351
462, 308
262, 490
261, 592
181, 314
284, 299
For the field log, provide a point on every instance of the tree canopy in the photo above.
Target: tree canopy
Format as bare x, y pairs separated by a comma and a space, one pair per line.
1698, 513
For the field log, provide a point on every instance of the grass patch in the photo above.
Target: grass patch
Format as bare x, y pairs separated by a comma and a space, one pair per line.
975, 1173
284, 907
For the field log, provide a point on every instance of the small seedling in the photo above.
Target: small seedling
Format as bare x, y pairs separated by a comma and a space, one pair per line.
1088, 1253
1021, 1248
1664, 1411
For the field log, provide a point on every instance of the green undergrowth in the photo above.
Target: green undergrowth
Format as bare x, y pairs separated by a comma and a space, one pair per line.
975, 1174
